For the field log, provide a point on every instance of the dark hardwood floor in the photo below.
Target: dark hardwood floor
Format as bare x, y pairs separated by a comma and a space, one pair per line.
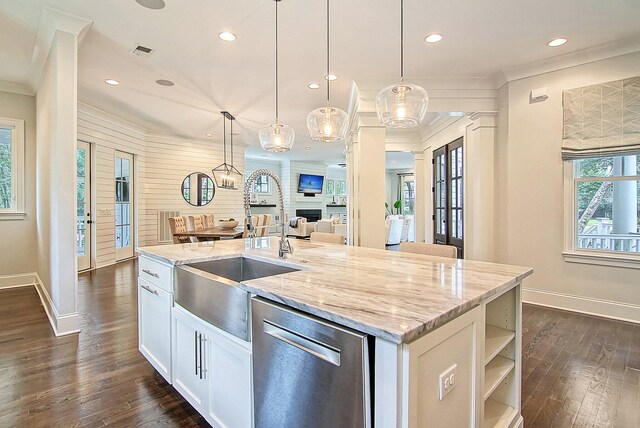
95, 378
578, 370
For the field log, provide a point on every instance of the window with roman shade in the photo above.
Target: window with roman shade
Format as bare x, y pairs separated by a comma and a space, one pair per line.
601, 120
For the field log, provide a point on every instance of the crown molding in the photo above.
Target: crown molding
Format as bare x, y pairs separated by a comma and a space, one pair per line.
16, 88
571, 59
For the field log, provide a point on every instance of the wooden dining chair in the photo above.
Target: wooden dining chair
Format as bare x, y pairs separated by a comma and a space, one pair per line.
329, 238
209, 221
439, 250
197, 222
265, 225
179, 225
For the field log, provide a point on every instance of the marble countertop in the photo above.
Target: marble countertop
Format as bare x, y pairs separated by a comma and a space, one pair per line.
395, 296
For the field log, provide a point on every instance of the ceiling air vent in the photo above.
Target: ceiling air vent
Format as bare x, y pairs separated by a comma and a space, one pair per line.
142, 51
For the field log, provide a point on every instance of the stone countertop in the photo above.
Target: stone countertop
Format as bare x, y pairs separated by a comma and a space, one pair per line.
395, 296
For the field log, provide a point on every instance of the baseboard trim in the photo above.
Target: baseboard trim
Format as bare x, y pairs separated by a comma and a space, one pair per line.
19, 280
62, 325
584, 305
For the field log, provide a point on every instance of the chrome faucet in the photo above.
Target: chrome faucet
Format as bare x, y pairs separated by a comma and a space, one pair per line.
285, 246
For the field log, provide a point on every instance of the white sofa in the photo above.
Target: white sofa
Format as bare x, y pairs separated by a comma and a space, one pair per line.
303, 230
332, 225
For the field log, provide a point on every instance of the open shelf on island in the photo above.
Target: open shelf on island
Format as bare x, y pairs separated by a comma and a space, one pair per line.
495, 372
497, 414
496, 338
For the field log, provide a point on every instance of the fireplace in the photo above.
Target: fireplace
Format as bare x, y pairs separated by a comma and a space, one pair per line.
310, 215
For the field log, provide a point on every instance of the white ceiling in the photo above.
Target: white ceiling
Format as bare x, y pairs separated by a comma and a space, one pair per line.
480, 39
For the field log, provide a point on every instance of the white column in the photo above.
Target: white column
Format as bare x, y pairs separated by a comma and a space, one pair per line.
625, 198
368, 183
56, 144
479, 185
423, 193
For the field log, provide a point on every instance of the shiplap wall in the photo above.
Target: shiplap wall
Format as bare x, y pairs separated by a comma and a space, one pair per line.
160, 166
107, 134
168, 162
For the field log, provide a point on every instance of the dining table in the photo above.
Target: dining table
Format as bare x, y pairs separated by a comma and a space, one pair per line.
215, 233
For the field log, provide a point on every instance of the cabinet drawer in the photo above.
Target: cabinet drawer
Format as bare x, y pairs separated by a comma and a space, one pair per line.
156, 273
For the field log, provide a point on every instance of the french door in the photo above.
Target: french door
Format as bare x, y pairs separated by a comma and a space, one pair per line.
124, 218
448, 195
83, 214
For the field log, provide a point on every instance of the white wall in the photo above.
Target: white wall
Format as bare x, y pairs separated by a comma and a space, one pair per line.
531, 195
19, 236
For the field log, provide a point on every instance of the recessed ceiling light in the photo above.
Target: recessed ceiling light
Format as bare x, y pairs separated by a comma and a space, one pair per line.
112, 82
314, 85
227, 36
557, 42
331, 77
307, 148
208, 134
433, 38
151, 4
163, 82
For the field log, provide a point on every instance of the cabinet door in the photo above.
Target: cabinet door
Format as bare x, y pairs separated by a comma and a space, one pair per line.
189, 359
230, 397
154, 326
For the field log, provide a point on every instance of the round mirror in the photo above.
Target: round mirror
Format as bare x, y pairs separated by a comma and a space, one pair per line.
198, 189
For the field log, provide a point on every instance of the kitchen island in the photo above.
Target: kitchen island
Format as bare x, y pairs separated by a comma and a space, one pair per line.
446, 333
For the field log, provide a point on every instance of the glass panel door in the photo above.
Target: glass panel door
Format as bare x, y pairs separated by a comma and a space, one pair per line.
448, 195
124, 205
440, 196
83, 215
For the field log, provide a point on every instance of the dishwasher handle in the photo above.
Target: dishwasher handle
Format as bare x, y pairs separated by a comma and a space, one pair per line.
303, 343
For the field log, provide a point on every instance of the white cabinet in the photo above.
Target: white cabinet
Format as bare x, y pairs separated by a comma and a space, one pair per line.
154, 326
189, 358
230, 383
212, 370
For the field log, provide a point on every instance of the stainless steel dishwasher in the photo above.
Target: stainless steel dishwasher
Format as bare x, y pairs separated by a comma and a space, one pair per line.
307, 372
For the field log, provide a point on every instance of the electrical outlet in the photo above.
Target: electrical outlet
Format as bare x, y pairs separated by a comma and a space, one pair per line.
448, 380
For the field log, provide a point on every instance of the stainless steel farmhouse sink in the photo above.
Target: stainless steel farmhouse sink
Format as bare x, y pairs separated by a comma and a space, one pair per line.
210, 290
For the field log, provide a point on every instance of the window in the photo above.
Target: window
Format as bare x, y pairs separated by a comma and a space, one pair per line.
606, 213
409, 196
11, 169
206, 189
262, 184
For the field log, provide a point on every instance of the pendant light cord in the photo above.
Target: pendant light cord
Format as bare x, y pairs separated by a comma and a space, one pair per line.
277, 60
231, 137
401, 40
328, 81
224, 137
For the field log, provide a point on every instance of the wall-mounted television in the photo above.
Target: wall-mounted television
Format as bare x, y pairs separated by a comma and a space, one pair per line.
310, 184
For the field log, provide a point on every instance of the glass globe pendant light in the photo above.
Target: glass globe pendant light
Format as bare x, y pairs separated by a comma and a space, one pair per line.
403, 105
276, 137
328, 124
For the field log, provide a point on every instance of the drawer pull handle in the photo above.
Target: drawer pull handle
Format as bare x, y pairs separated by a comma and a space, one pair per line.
148, 272
146, 287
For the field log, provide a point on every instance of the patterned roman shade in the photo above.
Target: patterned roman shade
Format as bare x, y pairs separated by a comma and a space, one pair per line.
601, 120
